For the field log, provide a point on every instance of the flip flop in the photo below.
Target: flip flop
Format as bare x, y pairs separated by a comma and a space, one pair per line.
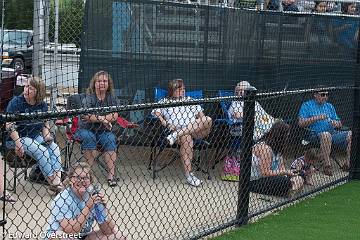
113, 182
8, 198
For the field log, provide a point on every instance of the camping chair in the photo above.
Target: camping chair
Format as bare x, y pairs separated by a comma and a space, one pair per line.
231, 131
308, 142
19, 165
159, 142
72, 125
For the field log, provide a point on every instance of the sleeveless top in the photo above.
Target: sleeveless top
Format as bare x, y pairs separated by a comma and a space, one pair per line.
255, 164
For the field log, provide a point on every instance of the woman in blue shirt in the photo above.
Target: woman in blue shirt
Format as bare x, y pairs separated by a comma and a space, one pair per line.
75, 210
33, 137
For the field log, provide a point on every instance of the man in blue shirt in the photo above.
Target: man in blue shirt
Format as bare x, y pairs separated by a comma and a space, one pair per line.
320, 116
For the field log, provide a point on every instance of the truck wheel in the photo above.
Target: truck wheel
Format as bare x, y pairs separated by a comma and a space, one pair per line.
18, 64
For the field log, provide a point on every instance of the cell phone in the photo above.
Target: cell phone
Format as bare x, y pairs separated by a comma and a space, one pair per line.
96, 190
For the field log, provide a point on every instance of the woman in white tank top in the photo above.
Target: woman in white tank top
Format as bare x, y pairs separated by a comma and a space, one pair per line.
268, 173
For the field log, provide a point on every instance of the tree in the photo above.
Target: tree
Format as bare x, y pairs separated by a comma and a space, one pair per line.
71, 13
18, 14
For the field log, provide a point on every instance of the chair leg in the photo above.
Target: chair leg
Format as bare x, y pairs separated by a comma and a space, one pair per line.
15, 176
336, 160
154, 160
67, 161
208, 162
151, 158
71, 149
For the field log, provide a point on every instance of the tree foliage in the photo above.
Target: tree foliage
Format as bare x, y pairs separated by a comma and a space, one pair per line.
71, 14
18, 14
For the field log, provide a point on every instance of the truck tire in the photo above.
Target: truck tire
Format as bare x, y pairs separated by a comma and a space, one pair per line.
18, 64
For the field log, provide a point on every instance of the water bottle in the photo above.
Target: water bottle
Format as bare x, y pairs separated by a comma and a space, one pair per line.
100, 210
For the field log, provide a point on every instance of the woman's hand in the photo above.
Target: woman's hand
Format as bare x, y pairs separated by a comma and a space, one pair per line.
171, 127
48, 139
237, 115
19, 149
289, 173
107, 124
97, 198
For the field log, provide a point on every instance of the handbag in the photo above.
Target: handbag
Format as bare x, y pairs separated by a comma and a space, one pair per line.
231, 169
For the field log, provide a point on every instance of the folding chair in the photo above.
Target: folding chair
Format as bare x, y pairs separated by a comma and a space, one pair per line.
308, 142
159, 142
19, 165
231, 131
72, 125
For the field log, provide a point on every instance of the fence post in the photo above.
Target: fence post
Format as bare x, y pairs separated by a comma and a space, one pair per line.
355, 148
2, 146
245, 157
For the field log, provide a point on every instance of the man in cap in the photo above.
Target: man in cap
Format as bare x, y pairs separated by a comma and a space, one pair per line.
320, 116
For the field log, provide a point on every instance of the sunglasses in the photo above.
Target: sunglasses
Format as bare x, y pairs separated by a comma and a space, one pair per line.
323, 94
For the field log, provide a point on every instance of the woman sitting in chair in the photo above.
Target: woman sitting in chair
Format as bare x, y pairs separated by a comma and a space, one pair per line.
268, 172
186, 124
96, 129
33, 137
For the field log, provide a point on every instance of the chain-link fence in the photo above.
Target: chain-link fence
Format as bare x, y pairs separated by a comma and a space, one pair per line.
191, 168
165, 162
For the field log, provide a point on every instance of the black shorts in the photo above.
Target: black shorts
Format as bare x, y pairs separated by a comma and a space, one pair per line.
275, 185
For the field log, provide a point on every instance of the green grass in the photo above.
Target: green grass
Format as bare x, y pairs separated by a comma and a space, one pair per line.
331, 215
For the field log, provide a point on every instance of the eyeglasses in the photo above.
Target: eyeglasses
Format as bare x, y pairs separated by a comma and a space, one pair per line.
78, 178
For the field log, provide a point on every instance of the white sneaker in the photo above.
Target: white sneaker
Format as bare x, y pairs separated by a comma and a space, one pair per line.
193, 180
172, 138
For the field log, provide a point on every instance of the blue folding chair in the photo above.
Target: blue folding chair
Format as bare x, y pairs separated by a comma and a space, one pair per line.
225, 104
231, 130
160, 133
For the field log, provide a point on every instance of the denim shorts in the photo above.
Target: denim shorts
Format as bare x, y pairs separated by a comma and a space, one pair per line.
91, 139
339, 138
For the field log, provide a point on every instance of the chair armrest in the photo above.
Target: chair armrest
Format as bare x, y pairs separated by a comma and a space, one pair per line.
345, 128
226, 121
125, 123
63, 122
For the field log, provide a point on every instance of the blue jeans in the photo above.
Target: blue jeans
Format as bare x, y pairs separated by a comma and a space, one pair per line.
90, 139
47, 156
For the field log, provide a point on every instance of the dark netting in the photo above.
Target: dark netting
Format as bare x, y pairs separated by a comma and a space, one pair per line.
148, 43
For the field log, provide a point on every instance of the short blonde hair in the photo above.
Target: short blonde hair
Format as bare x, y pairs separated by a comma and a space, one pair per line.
39, 85
91, 88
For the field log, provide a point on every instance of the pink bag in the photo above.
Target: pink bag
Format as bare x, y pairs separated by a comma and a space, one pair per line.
231, 166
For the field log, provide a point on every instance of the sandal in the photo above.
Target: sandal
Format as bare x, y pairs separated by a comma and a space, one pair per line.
113, 182
328, 170
345, 167
8, 198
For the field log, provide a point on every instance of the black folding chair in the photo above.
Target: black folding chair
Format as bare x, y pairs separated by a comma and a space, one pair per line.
159, 142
